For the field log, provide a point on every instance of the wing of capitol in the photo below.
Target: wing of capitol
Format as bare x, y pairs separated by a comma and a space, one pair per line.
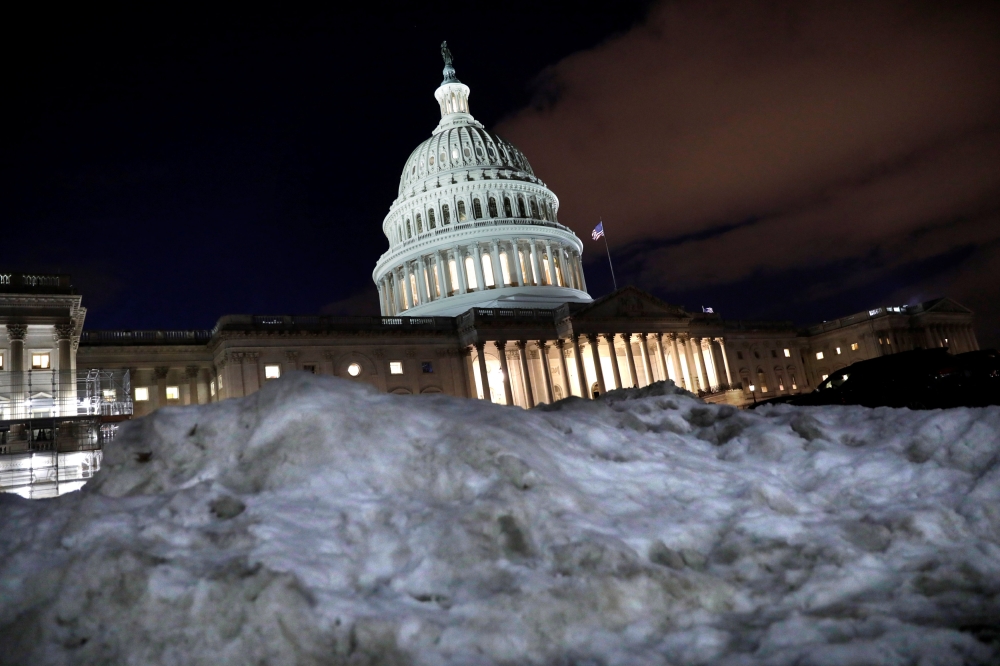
482, 294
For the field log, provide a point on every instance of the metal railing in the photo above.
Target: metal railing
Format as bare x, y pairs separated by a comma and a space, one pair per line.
41, 394
193, 337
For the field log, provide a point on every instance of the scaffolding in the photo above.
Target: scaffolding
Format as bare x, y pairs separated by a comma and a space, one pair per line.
53, 427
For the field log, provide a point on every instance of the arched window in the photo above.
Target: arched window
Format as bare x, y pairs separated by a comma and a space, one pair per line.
420, 224
520, 208
409, 230
470, 273
430, 218
488, 271
477, 209
462, 217
781, 382
445, 215
453, 271
454, 154
505, 267
761, 380
534, 209
545, 210
493, 207
507, 210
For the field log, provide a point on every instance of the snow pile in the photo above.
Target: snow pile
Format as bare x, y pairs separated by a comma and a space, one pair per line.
318, 522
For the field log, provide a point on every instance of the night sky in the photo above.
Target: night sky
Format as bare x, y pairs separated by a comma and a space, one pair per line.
780, 160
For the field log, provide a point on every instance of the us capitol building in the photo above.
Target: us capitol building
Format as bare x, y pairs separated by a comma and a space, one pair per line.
483, 295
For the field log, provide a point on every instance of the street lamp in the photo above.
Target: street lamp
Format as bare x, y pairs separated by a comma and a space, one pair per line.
754, 395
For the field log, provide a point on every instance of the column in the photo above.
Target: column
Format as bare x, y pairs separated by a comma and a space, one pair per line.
502, 351
525, 375
397, 292
553, 278
595, 352
470, 374
567, 267
251, 374
630, 355
463, 285
720, 372
692, 371
516, 260
700, 351
725, 362
581, 374
160, 374
192, 379
497, 271
484, 382
645, 357
424, 283
615, 370
538, 276
15, 335
579, 267
543, 354
65, 400
561, 347
658, 337
676, 358
442, 279
478, 259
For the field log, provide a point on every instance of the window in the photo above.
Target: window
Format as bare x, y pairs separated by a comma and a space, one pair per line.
444, 157
211, 387
445, 214
756, 354
354, 370
173, 393
888, 341
507, 210
454, 154
420, 224
739, 355
477, 209
430, 161
774, 353
794, 387
141, 394
427, 368
311, 369
488, 270
453, 269
462, 217
466, 151
781, 383
395, 367
854, 346
505, 267
520, 207
1, 361
819, 357
788, 353
39, 361
409, 230
272, 371
534, 210
430, 218
823, 378
470, 272
838, 350
493, 207
762, 380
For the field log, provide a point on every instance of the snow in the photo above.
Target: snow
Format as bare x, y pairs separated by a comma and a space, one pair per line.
320, 522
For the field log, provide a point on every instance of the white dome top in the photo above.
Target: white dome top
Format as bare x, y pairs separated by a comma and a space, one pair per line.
458, 149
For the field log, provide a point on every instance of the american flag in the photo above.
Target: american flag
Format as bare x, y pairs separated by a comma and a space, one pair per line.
598, 231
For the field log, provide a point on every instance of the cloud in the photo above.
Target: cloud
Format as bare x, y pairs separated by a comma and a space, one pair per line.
724, 140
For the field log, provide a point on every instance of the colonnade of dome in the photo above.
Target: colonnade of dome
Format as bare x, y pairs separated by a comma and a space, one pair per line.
473, 226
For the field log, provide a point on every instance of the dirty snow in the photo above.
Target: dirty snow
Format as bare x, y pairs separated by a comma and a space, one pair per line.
319, 522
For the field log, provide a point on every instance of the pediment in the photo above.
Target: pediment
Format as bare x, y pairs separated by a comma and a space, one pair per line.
629, 302
946, 305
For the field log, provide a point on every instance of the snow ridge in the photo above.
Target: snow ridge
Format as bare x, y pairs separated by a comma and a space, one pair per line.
320, 522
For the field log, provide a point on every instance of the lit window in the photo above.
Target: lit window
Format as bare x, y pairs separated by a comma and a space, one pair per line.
272, 371
220, 382
141, 394
854, 346
794, 387
395, 367
462, 217
888, 341
1, 361
838, 350
470, 272
488, 271
173, 393
109, 394
211, 387
823, 378
819, 357
354, 369
427, 368
39, 361
788, 353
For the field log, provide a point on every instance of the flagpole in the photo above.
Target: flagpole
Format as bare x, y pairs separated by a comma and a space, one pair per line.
605, 234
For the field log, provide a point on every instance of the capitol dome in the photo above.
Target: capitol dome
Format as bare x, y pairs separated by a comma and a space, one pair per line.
472, 226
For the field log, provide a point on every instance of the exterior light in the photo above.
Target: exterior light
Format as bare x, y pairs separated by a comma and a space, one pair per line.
752, 388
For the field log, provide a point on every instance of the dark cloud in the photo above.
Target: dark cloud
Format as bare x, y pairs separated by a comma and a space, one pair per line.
852, 147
